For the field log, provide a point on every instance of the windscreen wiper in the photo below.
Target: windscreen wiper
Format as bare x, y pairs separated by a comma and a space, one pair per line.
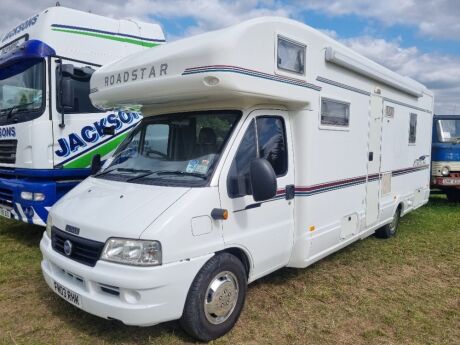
17, 107
168, 172
123, 170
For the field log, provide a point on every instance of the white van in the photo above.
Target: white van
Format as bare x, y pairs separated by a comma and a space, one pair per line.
264, 145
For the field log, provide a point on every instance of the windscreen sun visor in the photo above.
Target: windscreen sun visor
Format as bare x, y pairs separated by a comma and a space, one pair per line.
24, 56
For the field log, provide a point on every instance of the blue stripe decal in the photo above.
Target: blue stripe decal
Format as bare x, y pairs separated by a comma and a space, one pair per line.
252, 73
105, 32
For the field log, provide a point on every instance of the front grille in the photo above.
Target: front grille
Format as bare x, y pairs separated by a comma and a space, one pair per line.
84, 251
8, 151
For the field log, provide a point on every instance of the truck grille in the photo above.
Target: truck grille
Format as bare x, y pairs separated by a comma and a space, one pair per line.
84, 251
6, 197
8, 151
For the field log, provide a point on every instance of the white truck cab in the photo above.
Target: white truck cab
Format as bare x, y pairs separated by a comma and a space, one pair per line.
49, 130
263, 145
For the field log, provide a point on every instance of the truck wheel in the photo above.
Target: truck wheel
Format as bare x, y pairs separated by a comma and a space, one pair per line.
216, 298
453, 195
389, 230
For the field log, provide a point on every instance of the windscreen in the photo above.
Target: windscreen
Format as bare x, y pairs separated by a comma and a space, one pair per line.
448, 130
178, 149
22, 95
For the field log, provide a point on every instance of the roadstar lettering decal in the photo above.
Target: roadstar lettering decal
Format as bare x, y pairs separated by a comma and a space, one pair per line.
92, 133
137, 74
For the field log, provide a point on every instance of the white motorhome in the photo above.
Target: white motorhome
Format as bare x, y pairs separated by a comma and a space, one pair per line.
264, 145
49, 130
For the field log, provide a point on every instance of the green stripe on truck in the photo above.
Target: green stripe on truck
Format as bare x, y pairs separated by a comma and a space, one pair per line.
109, 37
84, 161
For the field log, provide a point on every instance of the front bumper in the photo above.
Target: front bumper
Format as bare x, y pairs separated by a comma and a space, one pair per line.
140, 296
448, 182
32, 212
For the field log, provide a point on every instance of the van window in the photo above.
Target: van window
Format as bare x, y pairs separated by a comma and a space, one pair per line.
335, 113
412, 128
272, 142
264, 138
291, 56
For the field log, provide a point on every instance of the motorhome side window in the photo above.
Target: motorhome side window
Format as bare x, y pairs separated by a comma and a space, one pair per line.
291, 56
335, 113
269, 143
79, 82
413, 128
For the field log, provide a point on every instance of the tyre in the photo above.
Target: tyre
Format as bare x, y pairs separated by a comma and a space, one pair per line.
216, 298
389, 230
453, 195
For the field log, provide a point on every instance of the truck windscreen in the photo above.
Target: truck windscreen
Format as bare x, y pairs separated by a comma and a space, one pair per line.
22, 96
448, 130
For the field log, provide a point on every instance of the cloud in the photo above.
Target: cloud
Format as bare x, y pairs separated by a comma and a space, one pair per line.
433, 18
439, 73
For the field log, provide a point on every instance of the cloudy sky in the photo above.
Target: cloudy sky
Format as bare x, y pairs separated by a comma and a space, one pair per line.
417, 38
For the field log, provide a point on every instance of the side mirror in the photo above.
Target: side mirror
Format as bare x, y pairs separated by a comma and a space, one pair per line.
108, 130
67, 94
263, 180
96, 164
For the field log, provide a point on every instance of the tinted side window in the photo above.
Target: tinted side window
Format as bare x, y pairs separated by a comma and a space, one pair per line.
81, 87
272, 142
238, 178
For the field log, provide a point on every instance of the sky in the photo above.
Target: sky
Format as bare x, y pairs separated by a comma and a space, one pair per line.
416, 38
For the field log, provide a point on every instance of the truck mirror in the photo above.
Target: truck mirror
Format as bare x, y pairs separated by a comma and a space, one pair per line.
96, 164
66, 70
108, 130
67, 94
263, 180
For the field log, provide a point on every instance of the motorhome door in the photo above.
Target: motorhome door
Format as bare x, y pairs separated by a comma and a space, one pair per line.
373, 164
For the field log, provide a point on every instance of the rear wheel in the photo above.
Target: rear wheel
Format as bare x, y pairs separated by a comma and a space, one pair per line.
389, 230
453, 195
216, 298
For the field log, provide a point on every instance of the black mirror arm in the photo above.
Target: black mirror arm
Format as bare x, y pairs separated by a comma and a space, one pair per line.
62, 124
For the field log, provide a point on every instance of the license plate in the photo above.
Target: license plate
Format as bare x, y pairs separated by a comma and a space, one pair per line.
5, 213
451, 181
67, 294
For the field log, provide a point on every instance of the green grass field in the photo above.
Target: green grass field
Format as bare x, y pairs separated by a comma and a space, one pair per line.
405, 290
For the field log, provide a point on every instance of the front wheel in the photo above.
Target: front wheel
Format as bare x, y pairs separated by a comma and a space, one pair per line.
389, 230
216, 298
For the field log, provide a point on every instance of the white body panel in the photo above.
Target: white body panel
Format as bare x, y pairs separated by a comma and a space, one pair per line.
340, 196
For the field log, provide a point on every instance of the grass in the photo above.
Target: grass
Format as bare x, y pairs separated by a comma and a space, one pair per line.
405, 290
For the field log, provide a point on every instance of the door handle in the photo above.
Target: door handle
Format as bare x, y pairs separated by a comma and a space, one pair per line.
290, 192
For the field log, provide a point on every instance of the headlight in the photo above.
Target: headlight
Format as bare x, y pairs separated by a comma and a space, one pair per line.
132, 252
32, 196
49, 225
445, 171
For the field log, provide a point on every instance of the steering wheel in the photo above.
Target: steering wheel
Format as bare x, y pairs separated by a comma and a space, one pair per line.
159, 153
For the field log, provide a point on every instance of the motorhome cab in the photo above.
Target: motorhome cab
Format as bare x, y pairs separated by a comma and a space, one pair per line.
264, 145
49, 130
445, 161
